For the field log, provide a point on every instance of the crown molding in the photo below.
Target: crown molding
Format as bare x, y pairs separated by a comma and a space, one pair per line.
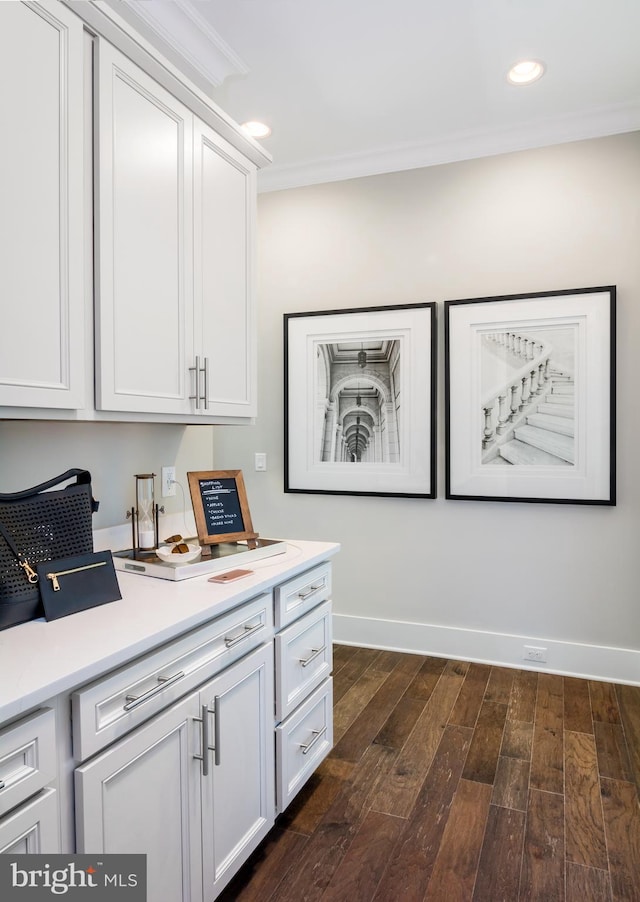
182, 29
454, 148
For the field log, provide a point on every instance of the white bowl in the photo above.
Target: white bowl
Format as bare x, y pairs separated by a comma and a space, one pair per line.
165, 553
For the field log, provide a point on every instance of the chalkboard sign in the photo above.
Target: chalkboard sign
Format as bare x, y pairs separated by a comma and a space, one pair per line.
220, 506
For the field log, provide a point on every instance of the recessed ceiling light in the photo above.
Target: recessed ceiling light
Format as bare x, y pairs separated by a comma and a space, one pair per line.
256, 129
525, 72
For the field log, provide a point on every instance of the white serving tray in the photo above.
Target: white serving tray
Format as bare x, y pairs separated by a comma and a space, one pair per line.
225, 556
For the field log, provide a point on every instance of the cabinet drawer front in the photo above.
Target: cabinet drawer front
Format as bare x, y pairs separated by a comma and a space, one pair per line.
299, 595
27, 758
303, 658
32, 828
302, 742
110, 707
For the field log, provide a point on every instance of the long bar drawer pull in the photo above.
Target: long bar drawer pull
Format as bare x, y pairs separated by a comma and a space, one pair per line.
312, 589
132, 701
314, 654
2, 784
205, 372
204, 720
316, 736
216, 730
247, 631
196, 369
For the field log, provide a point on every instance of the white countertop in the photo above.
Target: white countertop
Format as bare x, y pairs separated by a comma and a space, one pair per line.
41, 659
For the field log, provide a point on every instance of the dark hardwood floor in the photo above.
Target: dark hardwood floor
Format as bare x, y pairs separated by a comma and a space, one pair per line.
454, 781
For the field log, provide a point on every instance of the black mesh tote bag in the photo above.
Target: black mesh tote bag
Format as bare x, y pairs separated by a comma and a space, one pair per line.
38, 525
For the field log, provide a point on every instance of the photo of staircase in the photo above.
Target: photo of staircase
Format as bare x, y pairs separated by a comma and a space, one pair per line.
548, 434
529, 419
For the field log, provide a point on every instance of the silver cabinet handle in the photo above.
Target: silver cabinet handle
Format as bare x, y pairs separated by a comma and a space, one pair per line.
204, 720
2, 784
205, 371
132, 701
196, 370
314, 654
316, 736
312, 589
216, 730
248, 630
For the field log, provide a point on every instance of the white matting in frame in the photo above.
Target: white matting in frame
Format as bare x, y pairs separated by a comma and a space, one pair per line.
360, 401
530, 397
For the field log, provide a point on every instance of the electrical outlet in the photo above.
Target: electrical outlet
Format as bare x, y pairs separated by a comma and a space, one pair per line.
535, 653
168, 482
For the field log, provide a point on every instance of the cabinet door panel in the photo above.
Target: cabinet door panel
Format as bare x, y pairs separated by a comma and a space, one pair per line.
224, 207
238, 793
142, 795
41, 215
144, 208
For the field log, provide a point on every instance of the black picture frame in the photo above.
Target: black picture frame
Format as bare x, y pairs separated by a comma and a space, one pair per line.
530, 394
360, 401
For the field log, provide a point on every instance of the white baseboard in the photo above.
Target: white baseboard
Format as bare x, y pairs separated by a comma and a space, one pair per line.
593, 662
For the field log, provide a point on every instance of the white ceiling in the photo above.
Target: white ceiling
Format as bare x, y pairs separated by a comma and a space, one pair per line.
356, 87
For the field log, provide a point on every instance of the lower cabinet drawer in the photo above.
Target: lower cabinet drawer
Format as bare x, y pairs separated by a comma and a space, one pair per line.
303, 740
33, 827
27, 757
303, 658
299, 595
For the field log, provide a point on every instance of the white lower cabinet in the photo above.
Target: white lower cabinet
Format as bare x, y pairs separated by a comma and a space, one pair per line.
192, 788
304, 689
142, 795
238, 807
186, 753
29, 817
303, 740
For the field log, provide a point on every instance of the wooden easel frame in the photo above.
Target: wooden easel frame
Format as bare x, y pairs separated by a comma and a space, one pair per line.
195, 488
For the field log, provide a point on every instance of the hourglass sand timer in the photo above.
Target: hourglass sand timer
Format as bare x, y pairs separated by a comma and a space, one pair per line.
145, 514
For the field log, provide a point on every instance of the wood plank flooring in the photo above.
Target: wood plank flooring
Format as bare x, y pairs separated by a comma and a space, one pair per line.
453, 781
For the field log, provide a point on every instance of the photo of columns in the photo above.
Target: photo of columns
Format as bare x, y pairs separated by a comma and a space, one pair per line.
358, 401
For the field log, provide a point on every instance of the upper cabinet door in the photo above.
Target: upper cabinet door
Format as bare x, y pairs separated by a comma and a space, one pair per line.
41, 214
144, 291
224, 223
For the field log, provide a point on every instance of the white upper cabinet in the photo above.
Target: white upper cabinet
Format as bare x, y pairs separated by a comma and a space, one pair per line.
144, 308
42, 358
224, 221
175, 207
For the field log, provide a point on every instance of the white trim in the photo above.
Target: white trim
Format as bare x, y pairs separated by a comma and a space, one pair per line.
190, 35
466, 145
593, 662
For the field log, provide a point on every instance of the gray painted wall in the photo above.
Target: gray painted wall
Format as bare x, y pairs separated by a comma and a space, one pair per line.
32, 451
475, 579
560, 217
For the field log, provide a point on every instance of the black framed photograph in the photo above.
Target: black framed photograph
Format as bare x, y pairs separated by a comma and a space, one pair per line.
360, 397
530, 397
